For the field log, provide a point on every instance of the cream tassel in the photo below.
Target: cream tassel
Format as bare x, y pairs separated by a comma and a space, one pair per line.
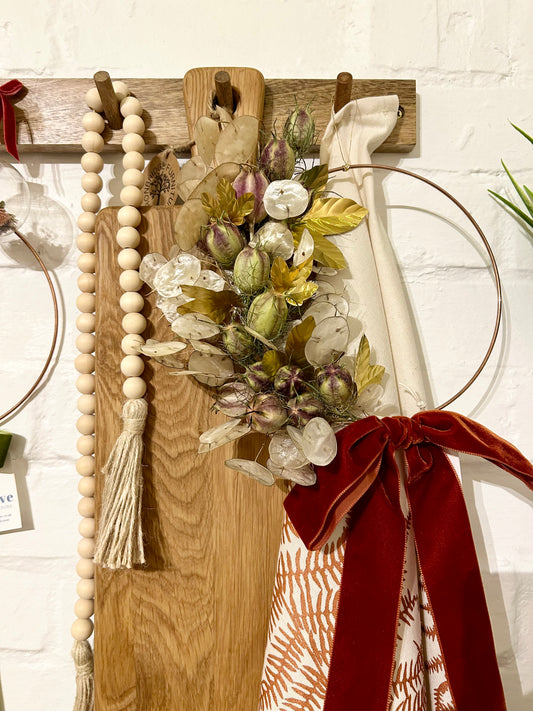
119, 542
83, 661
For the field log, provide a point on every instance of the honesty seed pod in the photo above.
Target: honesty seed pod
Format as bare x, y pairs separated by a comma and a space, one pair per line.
251, 270
335, 384
223, 240
237, 341
277, 159
267, 413
267, 314
254, 182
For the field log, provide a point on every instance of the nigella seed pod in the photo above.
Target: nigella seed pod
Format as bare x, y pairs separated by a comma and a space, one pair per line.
233, 399
335, 384
288, 381
251, 270
256, 377
254, 182
304, 408
237, 341
267, 314
299, 131
267, 413
223, 240
277, 159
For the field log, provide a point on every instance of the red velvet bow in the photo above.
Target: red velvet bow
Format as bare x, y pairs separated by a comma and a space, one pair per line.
364, 480
7, 112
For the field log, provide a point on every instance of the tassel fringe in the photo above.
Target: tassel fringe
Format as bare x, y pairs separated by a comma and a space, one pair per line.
119, 542
83, 661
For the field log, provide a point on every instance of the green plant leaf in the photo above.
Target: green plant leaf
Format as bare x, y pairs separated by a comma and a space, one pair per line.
521, 130
513, 207
366, 374
296, 340
315, 178
525, 199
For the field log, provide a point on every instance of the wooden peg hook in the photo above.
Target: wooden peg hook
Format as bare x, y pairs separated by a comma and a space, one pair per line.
224, 91
343, 90
109, 99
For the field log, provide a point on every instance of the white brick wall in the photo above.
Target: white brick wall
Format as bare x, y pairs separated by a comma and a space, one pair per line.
474, 66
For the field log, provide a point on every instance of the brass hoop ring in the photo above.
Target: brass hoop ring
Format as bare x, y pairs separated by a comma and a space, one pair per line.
486, 244
41, 375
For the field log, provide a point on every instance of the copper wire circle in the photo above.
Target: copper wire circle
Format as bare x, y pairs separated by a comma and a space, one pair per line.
41, 375
486, 244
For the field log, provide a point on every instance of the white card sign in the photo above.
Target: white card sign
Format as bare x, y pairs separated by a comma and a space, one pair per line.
10, 519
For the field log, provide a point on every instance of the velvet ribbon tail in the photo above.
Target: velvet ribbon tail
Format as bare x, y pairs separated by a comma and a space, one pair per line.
364, 480
7, 113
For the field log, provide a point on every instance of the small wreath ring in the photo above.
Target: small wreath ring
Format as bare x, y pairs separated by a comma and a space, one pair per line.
486, 244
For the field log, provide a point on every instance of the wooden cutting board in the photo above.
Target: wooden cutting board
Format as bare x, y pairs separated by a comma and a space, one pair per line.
187, 631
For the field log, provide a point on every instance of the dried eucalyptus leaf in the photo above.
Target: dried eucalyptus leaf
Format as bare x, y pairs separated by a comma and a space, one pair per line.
206, 135
252, 469
191, 218
161, 177
238, 141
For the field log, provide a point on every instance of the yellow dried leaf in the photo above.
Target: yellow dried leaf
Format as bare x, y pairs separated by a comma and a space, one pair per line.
272, 362
332, 216
296, 295
366, 374
302, 272
296, 340
280, 275
191, 218
215, 304
328, 254
315, 178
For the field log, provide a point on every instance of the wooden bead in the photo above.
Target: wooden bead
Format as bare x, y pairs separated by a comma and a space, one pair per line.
92, 142
82, 629
87, 262
133, 159
134, 388
133, 124
130, 280
87, 221
86, 282
129, 259
131, 366
92, 121
91, 202
128, 237
86, 507
85, 343
85, 568
86, 303
85, 242
121, 90
132, 176
85, 384
86, 548
131, 142
131, 342
130, 105
133, 323
85, 589
85, 466
92, 182
93, 100
86, 323
87, 528
84, 363
85, 423
84, 609
129, 216
85, 445
86, 486
131, 302
86, 404
92, 162
131, 195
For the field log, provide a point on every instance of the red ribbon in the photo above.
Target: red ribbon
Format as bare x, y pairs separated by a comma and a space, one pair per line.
364, 480
7, 112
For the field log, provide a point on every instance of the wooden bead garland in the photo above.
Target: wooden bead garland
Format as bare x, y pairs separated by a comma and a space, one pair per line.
134, 323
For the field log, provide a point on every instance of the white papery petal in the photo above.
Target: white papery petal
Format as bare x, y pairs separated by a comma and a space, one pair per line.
319, 442
161, 348
285, 198
210, 280
183, 269
305, 476
195, 326
336, 300
276, 239
305, 249
149, 267
213, 369
328, 341
284, 453
251, 469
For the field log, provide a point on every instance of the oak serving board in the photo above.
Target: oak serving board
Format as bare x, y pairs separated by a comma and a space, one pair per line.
187, 631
